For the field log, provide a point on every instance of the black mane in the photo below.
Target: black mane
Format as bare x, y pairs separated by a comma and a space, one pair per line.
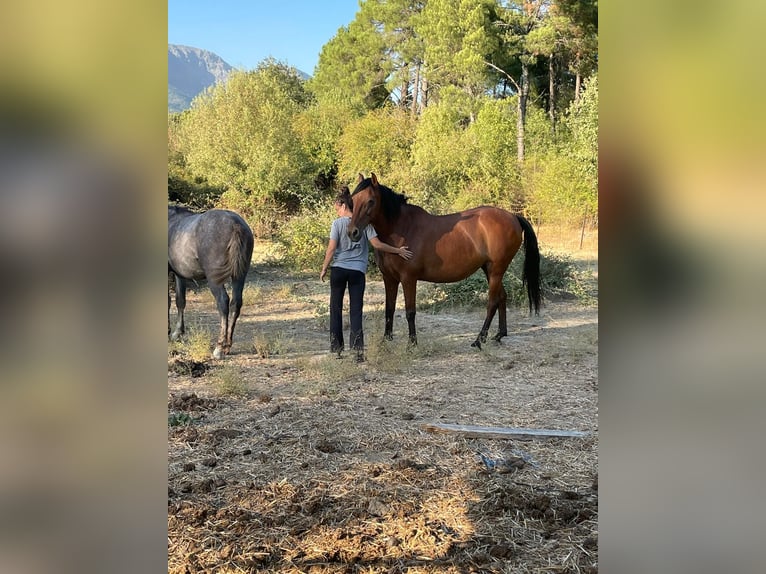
178, 208
391, 201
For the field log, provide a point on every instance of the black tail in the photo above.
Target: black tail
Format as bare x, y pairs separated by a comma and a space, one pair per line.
531, 273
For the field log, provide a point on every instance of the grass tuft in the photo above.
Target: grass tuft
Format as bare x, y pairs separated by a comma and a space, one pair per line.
228, 381
269, 345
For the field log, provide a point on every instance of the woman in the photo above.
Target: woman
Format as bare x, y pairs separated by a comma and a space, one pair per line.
349, 265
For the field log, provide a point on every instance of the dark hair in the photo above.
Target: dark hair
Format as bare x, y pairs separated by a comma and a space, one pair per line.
344, 197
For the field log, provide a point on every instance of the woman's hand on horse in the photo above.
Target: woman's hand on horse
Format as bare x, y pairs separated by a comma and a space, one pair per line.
404, 252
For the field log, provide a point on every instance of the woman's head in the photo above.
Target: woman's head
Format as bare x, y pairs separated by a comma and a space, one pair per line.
344, 198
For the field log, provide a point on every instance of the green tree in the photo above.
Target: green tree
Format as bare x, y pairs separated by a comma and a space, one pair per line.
240, 136
380, 142
582, 120
581, 41
183, 186
395, 21
319, 129
493, 169
563, 183
441, 152
516, 54
458, 38
353, 64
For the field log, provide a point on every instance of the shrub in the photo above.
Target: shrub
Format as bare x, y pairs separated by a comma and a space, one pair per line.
305, 237
559, 277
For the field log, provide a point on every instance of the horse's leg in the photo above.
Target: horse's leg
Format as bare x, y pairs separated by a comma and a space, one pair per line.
234, 308
392, 289
502, 328
222, 302
496, 293
409, 288
180, 306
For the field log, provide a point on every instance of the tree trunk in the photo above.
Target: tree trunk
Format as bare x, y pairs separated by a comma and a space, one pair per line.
552, 94
405, 87
415, 89
577, 77
521, 119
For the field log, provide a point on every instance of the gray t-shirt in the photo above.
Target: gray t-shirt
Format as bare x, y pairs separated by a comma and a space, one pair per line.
349, 254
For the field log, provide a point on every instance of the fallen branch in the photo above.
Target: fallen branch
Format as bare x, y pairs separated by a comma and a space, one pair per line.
471, 431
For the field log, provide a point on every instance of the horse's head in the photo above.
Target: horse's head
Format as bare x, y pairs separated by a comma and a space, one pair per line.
366, 200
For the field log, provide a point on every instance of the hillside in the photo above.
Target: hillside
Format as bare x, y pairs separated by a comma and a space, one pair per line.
191, 71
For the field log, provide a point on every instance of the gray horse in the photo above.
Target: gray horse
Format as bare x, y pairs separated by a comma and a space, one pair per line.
215, 245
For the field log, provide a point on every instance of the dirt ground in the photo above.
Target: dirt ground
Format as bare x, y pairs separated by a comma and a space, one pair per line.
282, 458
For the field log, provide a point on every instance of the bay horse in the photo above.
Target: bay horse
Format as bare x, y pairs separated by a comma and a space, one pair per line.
446, 248
216, 245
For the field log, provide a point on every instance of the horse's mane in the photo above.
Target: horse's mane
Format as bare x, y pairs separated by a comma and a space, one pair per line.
178, 208
391, 201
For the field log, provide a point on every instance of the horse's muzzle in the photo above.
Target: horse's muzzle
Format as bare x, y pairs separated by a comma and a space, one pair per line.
354, 234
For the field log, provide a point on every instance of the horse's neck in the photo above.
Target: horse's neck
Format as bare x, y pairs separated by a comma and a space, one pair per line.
390, 227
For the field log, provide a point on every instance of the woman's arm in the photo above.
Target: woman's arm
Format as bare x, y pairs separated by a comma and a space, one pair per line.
402, 251
331, 247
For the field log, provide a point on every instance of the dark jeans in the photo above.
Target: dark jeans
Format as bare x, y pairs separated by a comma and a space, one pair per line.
355, 280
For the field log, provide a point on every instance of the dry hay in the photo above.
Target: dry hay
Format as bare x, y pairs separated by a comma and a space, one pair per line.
322, 466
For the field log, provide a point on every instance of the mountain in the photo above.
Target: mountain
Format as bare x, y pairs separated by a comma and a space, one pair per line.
190, 71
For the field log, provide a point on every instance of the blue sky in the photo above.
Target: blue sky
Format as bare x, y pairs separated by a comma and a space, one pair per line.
244, 33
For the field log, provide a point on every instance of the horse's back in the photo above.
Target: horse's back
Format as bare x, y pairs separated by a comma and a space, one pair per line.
216, 244
451, 247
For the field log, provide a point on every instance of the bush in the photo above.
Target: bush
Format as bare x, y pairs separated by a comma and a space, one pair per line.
305, 237
559, 276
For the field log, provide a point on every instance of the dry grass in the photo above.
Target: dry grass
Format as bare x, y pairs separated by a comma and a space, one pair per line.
574, 241
317, 464
195, 345
228, 381
269, 344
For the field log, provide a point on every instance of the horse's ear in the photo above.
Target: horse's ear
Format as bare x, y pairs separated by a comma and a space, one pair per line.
374, 180
360, 179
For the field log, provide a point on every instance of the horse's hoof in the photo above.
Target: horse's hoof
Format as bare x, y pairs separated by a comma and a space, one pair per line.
218, 353
476, 344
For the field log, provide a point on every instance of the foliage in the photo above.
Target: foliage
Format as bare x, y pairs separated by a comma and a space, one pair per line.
458, 36
441, 152
454, 103
183, 186
494, 170
266, 345
240, 135
305, 237
176, 419
196, 344
582, 120
353, 64
229, 382
379, 142
564, 183
559, 278
319, 129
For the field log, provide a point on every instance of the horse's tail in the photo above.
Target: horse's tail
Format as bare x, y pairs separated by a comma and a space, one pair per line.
531, 273
239, 251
